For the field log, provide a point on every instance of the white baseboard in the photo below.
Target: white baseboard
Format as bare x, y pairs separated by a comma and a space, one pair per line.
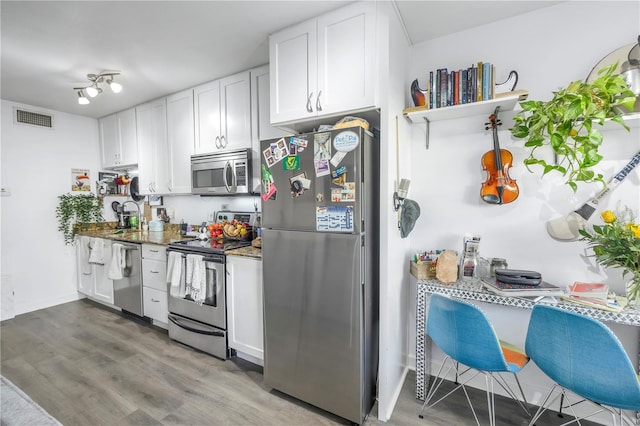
34, 305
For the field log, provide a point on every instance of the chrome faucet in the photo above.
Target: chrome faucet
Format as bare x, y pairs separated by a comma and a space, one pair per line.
139, 212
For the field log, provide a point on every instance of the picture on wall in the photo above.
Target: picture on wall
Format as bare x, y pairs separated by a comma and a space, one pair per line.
80, 180
155, 200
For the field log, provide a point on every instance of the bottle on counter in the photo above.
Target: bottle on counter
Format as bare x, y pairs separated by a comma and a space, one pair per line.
470, 262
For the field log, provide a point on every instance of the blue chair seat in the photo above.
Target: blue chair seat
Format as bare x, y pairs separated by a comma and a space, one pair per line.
583, 356
465, 335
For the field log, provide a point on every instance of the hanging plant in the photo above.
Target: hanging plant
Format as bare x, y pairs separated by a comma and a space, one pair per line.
77, 210
567, 123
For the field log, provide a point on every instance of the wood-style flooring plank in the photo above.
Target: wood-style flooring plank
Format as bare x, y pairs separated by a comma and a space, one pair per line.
90, 365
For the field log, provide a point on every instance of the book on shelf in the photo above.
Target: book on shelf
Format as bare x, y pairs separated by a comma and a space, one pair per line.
457, 87
598, 291
521, 290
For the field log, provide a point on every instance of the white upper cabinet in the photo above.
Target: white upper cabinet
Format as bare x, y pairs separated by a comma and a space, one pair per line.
153, 148
180, 136
261, 120
223, 114
118, 139
324, 67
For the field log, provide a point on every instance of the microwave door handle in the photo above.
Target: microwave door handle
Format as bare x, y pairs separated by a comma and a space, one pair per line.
231, 186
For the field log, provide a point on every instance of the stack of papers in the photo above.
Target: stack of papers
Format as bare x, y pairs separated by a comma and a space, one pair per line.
594, 295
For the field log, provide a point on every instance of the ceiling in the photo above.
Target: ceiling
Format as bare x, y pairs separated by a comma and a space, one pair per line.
161, 47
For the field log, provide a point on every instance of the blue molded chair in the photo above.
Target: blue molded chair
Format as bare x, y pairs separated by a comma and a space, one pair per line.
465, 335
582, 355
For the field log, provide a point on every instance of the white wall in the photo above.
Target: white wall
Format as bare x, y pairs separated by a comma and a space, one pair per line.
36, 167
549, 48
393, 275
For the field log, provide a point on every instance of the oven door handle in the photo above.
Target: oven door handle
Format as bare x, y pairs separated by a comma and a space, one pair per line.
195, 330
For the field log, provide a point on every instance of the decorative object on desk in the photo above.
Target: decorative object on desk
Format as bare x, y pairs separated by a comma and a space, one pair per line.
447, 267
616, 244
499, 188
519, 277
568, 124
418, 95
566, 228
78, 210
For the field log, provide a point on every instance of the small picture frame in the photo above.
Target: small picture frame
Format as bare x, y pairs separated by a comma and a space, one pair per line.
155, 200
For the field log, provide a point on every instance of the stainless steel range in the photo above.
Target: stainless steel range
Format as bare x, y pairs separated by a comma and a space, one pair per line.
196, 277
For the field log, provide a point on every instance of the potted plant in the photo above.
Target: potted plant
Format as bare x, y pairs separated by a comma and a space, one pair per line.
568, 123
77, 210
617, 244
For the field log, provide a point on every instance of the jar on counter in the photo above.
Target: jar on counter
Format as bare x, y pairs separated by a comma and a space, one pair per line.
497, 263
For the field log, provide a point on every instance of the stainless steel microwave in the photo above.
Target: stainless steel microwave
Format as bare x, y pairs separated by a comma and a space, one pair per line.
221, 173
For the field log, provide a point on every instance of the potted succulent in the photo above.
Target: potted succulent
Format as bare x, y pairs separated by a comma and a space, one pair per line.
568, 123
78, 210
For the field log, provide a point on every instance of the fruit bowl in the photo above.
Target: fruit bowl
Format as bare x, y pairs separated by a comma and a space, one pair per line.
232, 232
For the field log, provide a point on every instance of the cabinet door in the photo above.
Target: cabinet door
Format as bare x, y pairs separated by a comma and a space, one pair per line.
103, 289
154, 274
153, 150
261, 128
207, 113
85, 271
235, 114
293, 66
155, 305
128, 137
346, 60
244, 305
180, 137
109, 140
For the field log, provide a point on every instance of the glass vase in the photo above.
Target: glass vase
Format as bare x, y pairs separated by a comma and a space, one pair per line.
632, 289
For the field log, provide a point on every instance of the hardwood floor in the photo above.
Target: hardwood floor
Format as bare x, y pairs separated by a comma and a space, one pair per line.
88, 365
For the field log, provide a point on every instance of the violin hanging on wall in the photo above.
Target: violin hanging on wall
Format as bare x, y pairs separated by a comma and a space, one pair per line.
499, 188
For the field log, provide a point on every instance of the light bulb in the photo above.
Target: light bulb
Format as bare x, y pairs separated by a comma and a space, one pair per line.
92, 91
115, 87
82, 100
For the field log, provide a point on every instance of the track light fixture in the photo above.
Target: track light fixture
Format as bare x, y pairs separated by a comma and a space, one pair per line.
94, 89
82, 100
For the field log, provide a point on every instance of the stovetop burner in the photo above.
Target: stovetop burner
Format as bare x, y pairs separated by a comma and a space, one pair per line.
209, 246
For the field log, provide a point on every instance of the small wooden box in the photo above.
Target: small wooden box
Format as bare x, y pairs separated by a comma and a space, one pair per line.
424, 270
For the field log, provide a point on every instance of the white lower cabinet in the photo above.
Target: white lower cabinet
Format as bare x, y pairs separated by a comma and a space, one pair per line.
244, 307
154, 284
92, 278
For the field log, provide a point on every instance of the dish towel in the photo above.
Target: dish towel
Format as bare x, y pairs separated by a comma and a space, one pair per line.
97, 251
85, 253
174, 270
117, 262
196, 278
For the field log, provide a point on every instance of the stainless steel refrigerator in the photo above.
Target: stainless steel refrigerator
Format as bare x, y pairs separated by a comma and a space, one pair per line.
320, 249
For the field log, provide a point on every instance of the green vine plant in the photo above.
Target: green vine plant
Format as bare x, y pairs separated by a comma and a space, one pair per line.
568, 124
79, 210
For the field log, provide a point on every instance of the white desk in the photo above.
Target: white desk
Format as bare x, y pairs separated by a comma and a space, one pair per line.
476, 292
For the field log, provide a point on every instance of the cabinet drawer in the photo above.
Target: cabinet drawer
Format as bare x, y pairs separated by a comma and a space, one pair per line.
155, 304
154, 274
153, 251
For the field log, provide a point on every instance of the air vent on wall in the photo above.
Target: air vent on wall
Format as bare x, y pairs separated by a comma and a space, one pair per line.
33, 118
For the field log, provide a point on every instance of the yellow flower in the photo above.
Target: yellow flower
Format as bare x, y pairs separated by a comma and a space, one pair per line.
608, 216
635, 230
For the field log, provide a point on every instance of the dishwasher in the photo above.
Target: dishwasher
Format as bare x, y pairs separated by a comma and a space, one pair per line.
127, 292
